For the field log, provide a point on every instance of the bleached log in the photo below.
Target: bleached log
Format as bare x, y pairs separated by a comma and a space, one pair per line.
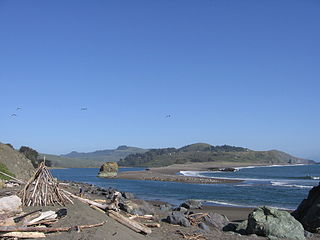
23, 234
90, 202
135, 226
152, 225
98, 209
16, 179
45, 215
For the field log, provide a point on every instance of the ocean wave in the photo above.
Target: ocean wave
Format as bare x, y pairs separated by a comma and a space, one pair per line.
222, 203
274, 165
286, 184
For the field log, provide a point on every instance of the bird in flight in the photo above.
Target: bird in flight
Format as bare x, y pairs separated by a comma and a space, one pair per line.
84, 109
168, 116
19, 108
13, 115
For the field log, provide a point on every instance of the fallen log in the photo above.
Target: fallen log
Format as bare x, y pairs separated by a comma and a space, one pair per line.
23, 234
98, 209
45, 215
44, 229
93, 203
16, 179
152, 225
135, 226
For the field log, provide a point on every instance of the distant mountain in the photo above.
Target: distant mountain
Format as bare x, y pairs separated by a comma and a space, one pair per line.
203, 152
91, 159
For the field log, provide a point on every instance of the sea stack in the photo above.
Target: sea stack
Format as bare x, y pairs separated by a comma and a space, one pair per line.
108, 170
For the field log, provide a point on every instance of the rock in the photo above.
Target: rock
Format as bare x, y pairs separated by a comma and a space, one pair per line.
11, 204
108, 169
242, 228
273, 223
189, 204
165, 207
204, 227
181, 209
308, 234
136, 207
127, 195
178, 218
308, 212
216, 220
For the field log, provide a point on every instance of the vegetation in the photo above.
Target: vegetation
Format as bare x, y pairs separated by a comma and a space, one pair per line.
3, 168
202, 152
33, 155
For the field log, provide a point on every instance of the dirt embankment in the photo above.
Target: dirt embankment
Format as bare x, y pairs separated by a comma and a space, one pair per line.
16, 162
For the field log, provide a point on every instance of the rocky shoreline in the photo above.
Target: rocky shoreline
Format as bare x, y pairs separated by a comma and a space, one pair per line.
189, 220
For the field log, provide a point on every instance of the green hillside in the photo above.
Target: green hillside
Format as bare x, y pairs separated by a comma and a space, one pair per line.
202, 152
91, 159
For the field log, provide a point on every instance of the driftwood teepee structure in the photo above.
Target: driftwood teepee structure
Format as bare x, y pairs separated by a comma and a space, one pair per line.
43, 190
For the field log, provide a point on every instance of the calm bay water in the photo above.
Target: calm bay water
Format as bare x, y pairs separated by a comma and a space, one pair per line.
283, 187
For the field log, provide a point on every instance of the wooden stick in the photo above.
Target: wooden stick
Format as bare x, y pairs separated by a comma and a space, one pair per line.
135, 226
98, 209
7, 175
42, 229
90, 202
23, 234
152, 225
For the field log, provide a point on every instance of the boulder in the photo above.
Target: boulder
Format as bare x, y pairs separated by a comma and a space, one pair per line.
192, 204
11, 204
108, 169
308, 212
274, 224
137, 207
216, 220
178, 218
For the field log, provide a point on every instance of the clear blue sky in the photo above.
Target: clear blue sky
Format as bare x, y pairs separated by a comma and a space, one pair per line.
244, 73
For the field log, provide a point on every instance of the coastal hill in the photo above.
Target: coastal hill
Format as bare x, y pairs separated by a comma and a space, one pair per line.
203, 152
91, 159
14, 163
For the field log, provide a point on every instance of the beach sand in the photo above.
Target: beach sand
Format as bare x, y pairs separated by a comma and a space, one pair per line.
169, 173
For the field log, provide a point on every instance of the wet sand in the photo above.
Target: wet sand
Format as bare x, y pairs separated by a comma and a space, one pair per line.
169, 173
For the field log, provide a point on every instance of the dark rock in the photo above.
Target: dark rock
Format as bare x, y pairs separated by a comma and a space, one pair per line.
242, 228
181, 209
308, 234
189, 204
216, 220
204, 227
272, 223
178, 218
128, 195
308, 212
136, 207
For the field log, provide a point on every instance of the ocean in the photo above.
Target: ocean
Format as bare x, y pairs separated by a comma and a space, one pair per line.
277, 186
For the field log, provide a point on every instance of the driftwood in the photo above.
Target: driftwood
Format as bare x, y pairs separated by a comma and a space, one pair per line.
20, 218
111, 206
43, 190
23, 234
9, 176
98, 209
44, 229
148, 217
191, 236
48, 215
135, 226
152, 225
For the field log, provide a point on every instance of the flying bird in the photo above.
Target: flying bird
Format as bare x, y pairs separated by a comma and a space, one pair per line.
13, 115
19, 108
168, 116
84, 109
